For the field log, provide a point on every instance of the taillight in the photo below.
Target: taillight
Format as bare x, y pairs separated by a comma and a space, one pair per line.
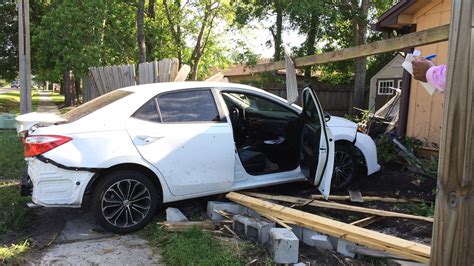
22, 135
39, 144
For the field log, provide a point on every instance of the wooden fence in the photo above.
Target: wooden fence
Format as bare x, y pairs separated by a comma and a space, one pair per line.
334, 100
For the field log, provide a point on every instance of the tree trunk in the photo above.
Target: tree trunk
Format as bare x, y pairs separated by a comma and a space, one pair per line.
78, 90
359, 24
310, 40
140, 32
176, 33
69, 88
277, 35
453, 234
151, 9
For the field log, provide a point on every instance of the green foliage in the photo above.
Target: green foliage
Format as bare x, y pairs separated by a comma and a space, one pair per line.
431, 166
421, 209
78, 35
12, 163
387, 151
14, 214
193, 247
8, 41
12, 255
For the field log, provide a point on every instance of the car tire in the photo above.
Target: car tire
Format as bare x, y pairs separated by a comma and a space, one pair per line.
125, 201
344, 167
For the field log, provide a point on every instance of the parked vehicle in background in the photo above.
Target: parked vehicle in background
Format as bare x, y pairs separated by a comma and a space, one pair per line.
15, 84
137, 147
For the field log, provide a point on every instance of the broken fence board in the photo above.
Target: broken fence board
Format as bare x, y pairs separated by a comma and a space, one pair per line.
216, 77
164, 67
183, 73
339, 206
371, 239
174, 69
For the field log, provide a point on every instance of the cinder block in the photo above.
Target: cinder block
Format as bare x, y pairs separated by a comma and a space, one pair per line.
298, 231
342, 248
257, 230
284, 245
175, 215
307, 236
229, 207
322, 242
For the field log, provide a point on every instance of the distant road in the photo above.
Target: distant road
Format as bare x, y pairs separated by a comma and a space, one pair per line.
5, 90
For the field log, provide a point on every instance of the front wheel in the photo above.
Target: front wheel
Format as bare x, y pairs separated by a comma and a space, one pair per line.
125, 201
344, 167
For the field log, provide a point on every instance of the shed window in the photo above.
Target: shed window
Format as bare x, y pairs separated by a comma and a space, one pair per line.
384, 87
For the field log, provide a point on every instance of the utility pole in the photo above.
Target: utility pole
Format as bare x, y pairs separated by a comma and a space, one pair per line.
453, 231
24, 55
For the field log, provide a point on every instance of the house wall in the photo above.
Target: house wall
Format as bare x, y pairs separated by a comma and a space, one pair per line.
425, 112
392, 71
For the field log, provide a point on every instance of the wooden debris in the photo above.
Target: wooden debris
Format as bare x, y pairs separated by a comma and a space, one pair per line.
183, 73
362, 236
339, 206
367, 221
231, 231
183, 226
218, 77
370, 198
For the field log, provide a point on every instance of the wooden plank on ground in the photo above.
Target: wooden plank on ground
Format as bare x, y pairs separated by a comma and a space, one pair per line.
419, 38
183, 73
367, 221
362, 236
338, 206
183, 226
370, 198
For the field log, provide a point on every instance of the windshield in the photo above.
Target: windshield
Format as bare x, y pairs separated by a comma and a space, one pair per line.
94, 105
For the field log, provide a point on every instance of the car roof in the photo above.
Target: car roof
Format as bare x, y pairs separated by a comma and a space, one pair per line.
154, 88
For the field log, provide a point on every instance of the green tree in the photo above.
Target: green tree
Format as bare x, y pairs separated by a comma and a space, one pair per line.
247, 10
193, 25
8, 41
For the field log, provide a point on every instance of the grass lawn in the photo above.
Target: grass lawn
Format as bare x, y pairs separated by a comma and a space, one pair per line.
14, 215
10, 102
193, 247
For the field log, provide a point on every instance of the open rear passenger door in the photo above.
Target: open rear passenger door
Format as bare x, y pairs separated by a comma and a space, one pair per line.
317, 144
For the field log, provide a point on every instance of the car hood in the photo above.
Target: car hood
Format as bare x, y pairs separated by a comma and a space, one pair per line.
26, 121
336, 121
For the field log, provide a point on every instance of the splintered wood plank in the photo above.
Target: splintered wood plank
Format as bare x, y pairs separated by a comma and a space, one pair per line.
183, 73
339, 206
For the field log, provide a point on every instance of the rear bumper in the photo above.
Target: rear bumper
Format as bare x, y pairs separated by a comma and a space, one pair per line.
26, 187
56, 187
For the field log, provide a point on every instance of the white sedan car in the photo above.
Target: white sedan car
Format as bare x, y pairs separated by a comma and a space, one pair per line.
140, 146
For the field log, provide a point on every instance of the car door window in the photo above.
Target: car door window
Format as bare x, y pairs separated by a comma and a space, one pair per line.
149, 111
310, 110
188, 106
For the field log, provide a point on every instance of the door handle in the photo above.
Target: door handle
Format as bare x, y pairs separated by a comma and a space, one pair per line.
149, 139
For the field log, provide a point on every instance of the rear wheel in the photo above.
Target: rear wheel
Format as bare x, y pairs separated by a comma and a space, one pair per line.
125, 201
344, 167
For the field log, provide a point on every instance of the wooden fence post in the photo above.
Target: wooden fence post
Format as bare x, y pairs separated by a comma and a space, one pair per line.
453, 232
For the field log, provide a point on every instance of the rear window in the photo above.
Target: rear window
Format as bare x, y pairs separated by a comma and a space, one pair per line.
94, 105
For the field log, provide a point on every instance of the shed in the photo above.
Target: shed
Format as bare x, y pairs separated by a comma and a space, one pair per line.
421, 114
390, 76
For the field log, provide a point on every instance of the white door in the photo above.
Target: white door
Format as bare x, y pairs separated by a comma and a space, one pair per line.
183, 134
317, 144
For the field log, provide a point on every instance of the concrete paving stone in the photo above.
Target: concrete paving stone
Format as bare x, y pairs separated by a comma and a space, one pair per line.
229, 207
175, 215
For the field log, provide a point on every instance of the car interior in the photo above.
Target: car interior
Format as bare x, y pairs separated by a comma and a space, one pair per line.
267, 135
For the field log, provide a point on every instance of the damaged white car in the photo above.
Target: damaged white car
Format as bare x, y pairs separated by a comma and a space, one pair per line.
140, 146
